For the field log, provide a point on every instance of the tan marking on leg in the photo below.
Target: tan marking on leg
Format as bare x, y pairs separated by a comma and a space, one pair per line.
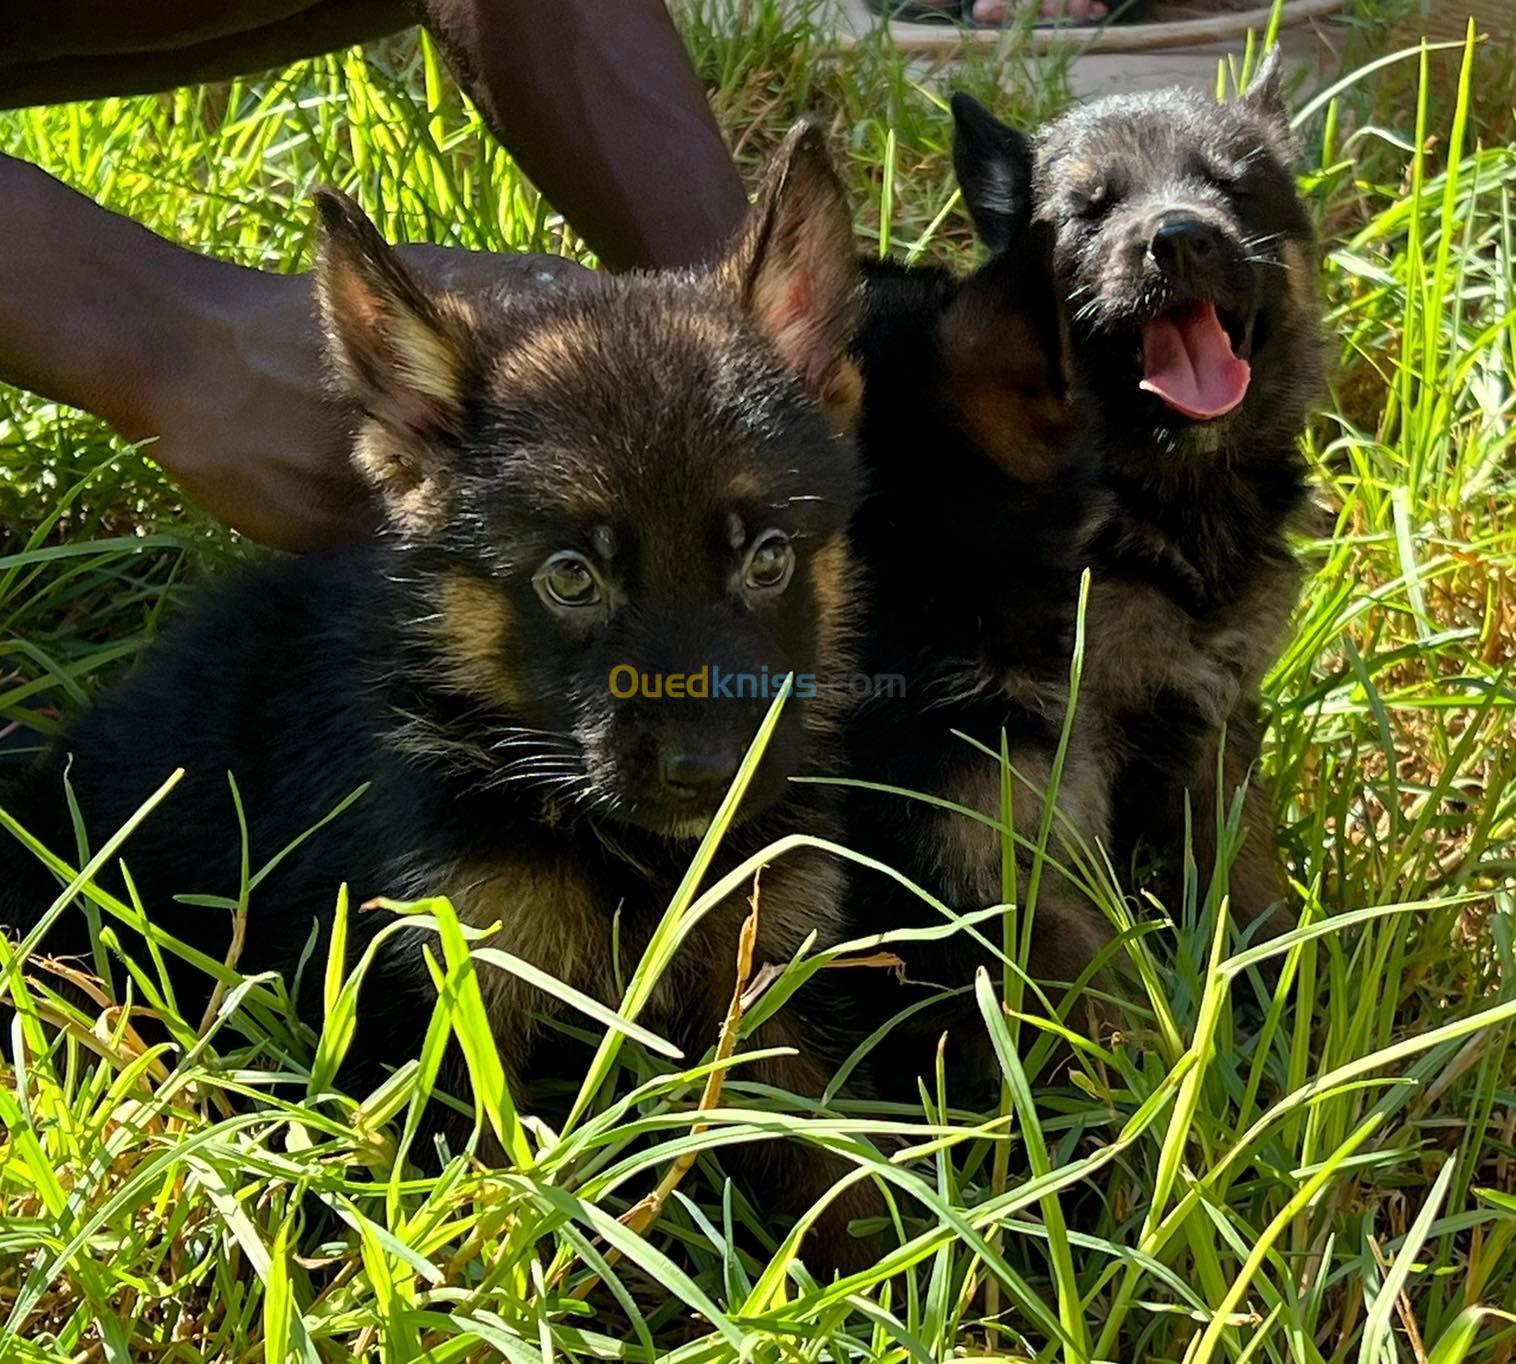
1068, 930
1139, 643
1256, 881
969, 850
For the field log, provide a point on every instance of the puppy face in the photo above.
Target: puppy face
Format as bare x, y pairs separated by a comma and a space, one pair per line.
1182, 250
622, 509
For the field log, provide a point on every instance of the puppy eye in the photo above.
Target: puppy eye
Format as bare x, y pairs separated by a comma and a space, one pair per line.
770, 563
566, 579
1094, 203
1225, 177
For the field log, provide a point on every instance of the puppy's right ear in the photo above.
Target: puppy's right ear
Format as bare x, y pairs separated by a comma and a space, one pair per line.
1266, 99
993, 163
396, 351
1265, 94
793, 268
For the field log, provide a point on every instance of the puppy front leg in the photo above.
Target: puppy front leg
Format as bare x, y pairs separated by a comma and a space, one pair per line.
794, 896
1257, 886
792, 1175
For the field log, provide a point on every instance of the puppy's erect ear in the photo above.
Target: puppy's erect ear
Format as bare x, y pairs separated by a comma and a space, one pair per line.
793, 267
396, 351
1005, 362
994, 166
1265, 99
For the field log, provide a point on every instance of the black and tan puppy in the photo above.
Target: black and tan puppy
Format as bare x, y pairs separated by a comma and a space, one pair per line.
589, 495
979, 503
1185, 265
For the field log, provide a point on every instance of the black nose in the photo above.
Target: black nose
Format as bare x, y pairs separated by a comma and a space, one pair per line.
697, 772
1181, 246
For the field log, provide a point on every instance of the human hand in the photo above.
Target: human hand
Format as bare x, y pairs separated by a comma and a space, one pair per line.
240, 415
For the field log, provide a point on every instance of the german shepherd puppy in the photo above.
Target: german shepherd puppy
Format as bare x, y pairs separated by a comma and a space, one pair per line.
971, 532
649, 478
1185, 262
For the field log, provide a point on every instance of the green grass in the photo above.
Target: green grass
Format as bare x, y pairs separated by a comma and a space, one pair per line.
1322, 1170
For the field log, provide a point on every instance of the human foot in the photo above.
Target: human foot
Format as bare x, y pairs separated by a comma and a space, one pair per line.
994, 13
998, 12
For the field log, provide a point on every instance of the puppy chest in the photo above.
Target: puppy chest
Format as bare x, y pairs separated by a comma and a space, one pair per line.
548, 913
1141, 645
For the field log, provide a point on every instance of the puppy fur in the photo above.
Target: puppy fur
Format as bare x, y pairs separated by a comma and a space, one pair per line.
1193, 577
655, 471
979, 503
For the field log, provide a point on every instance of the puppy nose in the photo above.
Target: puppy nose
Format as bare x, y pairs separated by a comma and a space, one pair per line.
702, 772
1180, 246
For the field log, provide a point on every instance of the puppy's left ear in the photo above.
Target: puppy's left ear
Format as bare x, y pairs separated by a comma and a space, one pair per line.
1265, 99
993, 163
793, 267
1005, 356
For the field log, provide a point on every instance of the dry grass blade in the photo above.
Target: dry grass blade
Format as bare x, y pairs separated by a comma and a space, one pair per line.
641, 1217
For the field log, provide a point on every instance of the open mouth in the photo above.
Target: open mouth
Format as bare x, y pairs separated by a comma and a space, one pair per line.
1193, 359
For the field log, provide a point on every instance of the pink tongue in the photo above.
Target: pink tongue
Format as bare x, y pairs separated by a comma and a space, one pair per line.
1188, 362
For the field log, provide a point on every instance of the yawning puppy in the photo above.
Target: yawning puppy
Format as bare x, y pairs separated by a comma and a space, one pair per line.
1185, 263
602, 507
